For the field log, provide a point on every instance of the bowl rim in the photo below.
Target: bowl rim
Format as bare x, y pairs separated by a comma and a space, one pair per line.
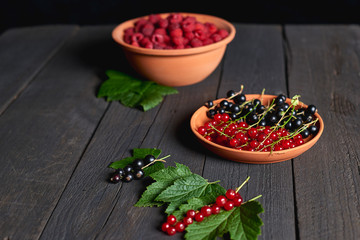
309, 142
117, 35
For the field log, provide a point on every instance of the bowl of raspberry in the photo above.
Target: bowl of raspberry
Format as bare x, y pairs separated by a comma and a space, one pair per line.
257, 128
174, 49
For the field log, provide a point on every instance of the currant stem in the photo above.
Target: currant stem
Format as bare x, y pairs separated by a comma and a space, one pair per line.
156, 160
255, 198
246, 180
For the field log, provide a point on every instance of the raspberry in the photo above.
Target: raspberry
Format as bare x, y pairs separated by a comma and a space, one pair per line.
139, 24
199, 26
200, 34
129, 31
175, 18
163, 23
223, 33
146, 43
173, 26
136, 37
189, 35
147, 29
160, 31
216, 37
178, 41
177, 32
154, 18
195, 42
211, 28
157, 38
207, 41
188, 25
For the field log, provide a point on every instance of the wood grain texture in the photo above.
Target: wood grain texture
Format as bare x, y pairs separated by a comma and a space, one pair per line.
256, 60
23, 53
43, 134
324, 69
169, 132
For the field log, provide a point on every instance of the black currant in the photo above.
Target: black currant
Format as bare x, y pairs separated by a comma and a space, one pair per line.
307, 118
138, 173
296, 123
313, 129
128, 177
128, 169
211, 113
279, 101
289, 125
305, 133
235, 108
209, 104
120, 171
262, 123
286, 106
230, 93
138, 163
241, 98
233, 116
115, 178
256, 102
310, 110
252, 118
229, 106
224, 103
260, 109
221, 110
272, 119
149, 159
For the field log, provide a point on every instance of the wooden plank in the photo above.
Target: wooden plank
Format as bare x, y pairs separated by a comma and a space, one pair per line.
256, 60
45, 132
324, 69
108, 207
23, 53
170, 132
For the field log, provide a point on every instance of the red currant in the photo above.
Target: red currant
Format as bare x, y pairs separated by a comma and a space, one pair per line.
229, 205
171, 231
171, 219
190, 213
234, 142
180, 226
221, 200
165, 226
252, 132
215, 209
202, 130
199, 217
237, 201
188, 220
206, 211
230, 194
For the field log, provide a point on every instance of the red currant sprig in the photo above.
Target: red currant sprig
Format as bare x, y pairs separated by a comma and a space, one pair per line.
231, 199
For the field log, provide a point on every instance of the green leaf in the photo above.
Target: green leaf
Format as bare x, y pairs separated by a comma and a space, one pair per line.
142, 152
133, 92
122, 163
182, 190
157, 166
213, 191
242, 223
164, 178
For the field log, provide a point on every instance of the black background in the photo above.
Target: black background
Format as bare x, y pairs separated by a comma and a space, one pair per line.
17, 13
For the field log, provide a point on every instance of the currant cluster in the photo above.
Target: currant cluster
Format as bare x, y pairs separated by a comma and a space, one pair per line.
173, 32
227, 202
133, 171
251, 125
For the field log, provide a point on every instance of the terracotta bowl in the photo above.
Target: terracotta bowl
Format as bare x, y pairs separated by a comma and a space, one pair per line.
176, 67
199, 118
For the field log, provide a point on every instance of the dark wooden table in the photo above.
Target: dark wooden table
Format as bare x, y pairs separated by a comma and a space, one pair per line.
57, 138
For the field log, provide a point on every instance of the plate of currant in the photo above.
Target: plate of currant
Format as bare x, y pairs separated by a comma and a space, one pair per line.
257, 128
